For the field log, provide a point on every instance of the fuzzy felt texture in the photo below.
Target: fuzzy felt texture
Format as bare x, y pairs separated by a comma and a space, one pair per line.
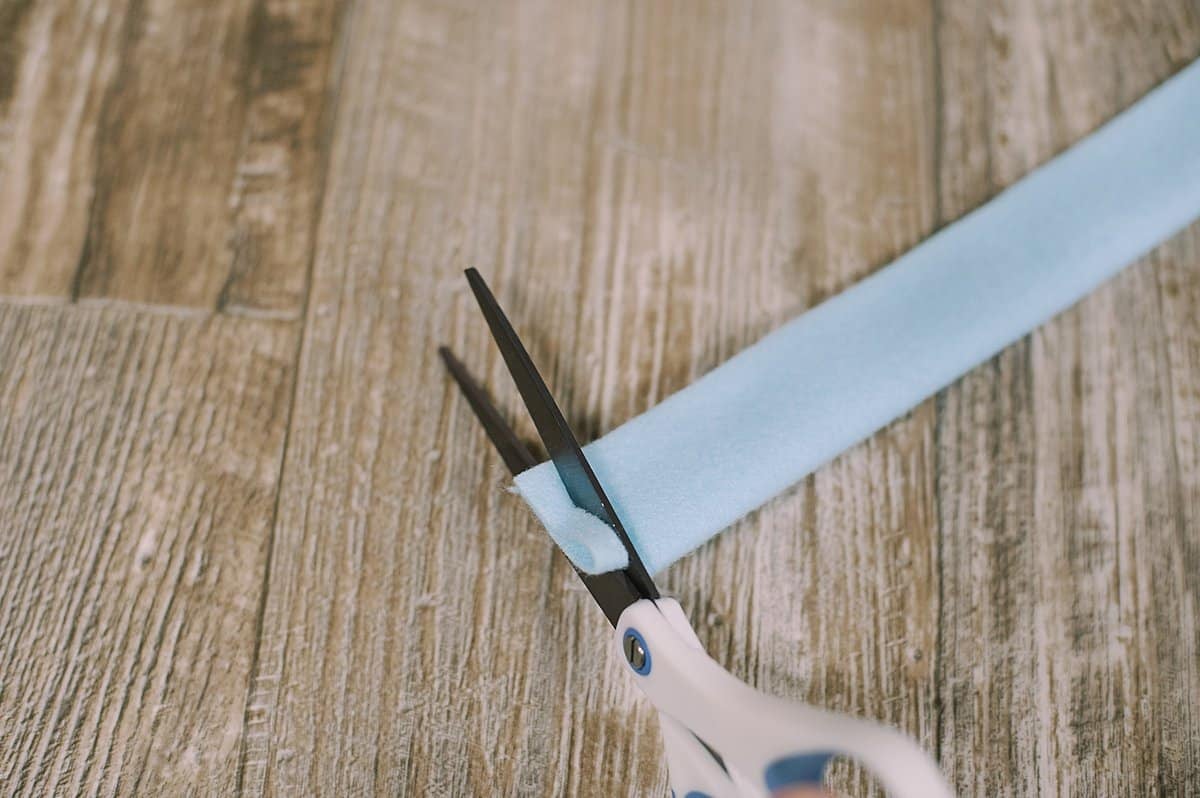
681, 472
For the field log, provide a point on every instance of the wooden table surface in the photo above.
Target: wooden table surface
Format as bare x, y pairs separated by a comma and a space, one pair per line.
254, 543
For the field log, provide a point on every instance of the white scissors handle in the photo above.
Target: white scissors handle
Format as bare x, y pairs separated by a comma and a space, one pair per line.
766, 743
690, 768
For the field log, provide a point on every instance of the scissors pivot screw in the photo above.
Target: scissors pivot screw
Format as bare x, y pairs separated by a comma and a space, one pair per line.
635, 652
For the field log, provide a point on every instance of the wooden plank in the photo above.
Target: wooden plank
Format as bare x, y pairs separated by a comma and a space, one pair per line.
54, 67
1068, 662
290, 88
139, 457
650, 188
162, 154
1168, 593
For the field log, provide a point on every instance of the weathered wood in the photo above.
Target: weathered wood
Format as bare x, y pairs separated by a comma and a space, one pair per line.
208, 587
54, 65
158, 153
1167, 649
1068, 662
139, 458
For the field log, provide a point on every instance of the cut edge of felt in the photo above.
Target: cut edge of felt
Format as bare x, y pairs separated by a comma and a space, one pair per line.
587, 541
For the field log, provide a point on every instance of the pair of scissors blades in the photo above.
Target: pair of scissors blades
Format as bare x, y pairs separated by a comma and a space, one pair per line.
722, 738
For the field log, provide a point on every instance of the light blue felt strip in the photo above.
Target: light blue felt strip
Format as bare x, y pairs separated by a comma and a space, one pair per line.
757, 424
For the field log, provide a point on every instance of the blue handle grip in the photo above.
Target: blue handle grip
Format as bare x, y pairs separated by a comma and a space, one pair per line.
794, 771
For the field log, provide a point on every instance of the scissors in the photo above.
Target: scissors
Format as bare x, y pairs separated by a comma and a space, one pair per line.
722, 738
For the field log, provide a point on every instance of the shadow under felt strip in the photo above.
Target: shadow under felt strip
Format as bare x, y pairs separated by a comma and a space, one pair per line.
684, 470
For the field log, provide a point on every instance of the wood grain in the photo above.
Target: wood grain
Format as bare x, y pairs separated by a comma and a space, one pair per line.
163, 153
1068, 662
139, 457
252, 542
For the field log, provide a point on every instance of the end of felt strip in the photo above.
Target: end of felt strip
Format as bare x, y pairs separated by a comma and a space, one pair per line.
587, 541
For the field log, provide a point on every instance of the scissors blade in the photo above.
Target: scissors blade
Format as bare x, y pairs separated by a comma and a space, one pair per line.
613, 591
515, 454
568, 458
